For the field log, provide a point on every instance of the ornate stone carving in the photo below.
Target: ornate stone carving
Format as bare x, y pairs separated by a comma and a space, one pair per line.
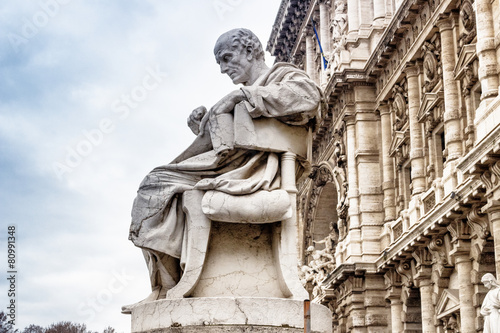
468, 18
478, 222
404, 269
438, 251
321, 263
339, 27
431, 64
321, 175
400, 106
459, 230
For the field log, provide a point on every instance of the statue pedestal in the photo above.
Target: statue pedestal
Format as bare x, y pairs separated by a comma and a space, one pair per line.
228, 314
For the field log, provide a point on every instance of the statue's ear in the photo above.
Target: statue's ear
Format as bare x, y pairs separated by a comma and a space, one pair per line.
249, 50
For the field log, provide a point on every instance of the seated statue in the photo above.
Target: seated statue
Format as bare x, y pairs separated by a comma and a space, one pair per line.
212, 162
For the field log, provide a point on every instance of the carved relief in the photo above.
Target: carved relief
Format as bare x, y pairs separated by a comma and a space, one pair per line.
400, 106
491, 177
339, 27
468, 20
404, 269
459, 230
431, 64
478, 222
320, 175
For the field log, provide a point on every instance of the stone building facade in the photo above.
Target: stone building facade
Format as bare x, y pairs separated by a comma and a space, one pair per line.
400, 217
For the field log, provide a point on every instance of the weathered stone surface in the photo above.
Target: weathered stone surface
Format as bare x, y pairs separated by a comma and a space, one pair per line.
216, 311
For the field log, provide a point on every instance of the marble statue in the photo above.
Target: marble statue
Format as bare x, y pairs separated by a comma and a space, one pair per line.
213, 162
490, 309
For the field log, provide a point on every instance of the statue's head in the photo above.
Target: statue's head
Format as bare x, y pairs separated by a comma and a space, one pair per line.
489, 281
239, 53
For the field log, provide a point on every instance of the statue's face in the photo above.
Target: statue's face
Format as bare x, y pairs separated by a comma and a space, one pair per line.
236, 62
487, 284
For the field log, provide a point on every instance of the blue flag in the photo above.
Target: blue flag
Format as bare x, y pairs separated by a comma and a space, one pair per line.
325, 62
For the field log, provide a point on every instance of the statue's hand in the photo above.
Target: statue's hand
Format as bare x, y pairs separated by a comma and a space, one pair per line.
227, 103
194, 119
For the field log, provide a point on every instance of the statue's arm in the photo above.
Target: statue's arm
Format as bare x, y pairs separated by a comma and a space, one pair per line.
293, 95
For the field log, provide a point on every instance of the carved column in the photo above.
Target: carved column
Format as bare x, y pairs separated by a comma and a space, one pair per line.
354, 231
416, 139
388, 185
452, 127
310, 54
393, 281
461, 253
324, 22
378, 11
491, 178
368, 165
486, 52
365, 12
494, 216
423, 281
352, 16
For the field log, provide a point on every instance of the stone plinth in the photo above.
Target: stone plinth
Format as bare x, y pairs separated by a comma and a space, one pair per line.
228, 314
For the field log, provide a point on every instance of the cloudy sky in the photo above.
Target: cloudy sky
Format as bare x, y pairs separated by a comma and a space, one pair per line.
93, 95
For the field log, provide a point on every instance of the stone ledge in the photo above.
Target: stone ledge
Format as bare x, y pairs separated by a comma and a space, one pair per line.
228, 329
215, 314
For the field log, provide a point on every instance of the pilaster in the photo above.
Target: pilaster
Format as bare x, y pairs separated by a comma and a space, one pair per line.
368, 165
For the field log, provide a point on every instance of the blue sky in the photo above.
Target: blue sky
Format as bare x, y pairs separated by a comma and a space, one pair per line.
93, 95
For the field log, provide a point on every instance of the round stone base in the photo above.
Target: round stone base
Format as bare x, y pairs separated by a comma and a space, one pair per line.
228, 314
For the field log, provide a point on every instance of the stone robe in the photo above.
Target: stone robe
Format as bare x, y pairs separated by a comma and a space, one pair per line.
158, 222
490, 310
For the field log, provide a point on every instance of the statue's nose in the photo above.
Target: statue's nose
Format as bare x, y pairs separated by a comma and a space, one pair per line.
223, 68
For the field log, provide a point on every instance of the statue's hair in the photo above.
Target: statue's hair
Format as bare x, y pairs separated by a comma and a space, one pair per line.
491, 278
242, 38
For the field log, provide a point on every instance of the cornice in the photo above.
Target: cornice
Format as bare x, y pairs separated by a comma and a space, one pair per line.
489, 145
428, 223
343, 271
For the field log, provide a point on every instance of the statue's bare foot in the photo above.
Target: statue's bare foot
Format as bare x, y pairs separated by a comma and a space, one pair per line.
155, 295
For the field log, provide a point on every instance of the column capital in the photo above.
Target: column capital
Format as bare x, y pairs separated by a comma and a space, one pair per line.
350, 120
384, 109
423, 267
446, 21
492, 207
412, 69
459, 230
307, 31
